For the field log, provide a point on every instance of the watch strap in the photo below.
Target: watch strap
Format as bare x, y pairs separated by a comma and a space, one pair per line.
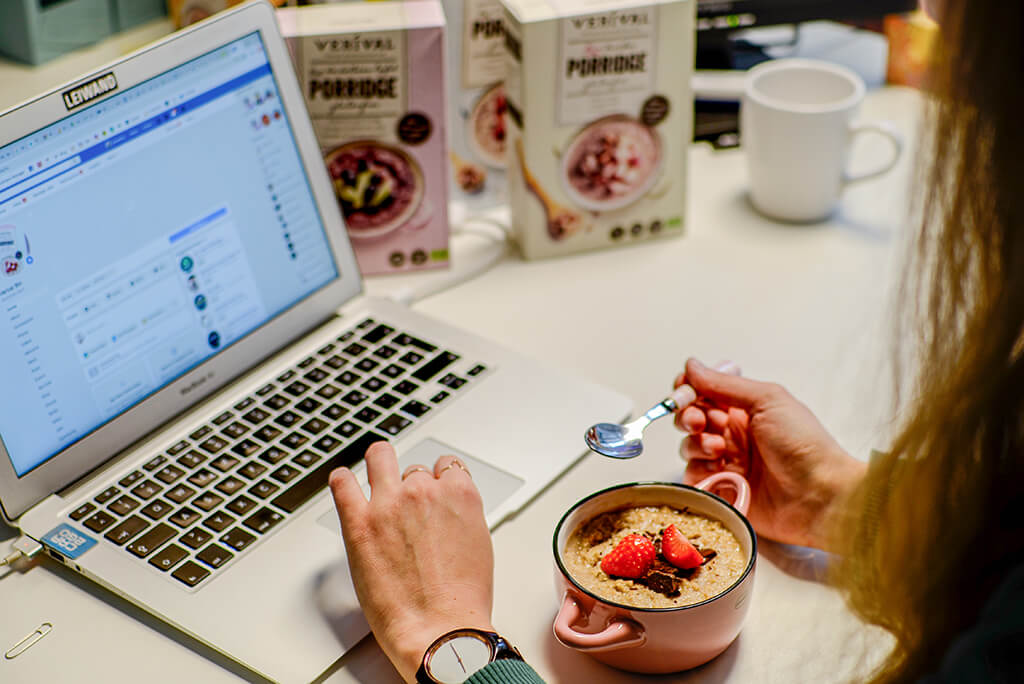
500, 647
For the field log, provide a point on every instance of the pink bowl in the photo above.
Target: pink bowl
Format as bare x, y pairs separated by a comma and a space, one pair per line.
656, 640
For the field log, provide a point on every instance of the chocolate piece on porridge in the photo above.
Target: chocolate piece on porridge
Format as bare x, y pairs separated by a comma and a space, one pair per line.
661, 582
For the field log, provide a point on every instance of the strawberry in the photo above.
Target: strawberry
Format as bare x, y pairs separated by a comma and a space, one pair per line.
631, 557
678, 550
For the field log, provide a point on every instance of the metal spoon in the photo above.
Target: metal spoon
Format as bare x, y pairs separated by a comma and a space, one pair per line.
625, 441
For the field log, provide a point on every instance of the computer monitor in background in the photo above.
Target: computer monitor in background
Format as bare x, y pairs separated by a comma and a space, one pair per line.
723, 43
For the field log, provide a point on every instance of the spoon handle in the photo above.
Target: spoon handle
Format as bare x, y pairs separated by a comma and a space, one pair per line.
685, 395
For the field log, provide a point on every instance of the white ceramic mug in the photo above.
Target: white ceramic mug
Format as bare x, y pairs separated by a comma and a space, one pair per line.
797, 126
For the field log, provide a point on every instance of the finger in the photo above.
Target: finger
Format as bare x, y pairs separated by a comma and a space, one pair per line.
718, 420
698, 470
348, 497
690, 450
711, 444
382, 468
726, 389
416, 468
449, 465
691, 419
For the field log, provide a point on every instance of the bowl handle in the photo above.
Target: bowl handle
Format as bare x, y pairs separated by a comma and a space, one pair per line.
620, 632
729, 480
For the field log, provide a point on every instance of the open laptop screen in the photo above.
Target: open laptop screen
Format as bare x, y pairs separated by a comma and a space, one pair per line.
143, 235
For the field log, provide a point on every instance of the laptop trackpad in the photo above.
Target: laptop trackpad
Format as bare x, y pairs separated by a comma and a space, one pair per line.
495, 485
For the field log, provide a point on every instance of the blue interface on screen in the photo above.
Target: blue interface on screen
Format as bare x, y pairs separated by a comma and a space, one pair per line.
142, 236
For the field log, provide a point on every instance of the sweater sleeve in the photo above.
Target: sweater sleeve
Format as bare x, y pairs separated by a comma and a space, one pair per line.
506, 672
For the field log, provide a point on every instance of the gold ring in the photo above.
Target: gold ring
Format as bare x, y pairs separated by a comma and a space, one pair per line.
455, 464
415, 469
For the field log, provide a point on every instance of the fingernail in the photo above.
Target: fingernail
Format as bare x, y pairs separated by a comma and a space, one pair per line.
698, 365
707, 449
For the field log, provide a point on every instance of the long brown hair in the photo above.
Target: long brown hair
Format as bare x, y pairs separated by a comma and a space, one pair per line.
941, 516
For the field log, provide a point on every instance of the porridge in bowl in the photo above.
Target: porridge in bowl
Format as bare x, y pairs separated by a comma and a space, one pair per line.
378, 187
654, 557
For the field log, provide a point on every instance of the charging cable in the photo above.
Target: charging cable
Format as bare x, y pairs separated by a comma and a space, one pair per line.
490, 229
22, 548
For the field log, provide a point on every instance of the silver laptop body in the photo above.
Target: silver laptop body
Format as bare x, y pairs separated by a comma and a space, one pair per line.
187, 353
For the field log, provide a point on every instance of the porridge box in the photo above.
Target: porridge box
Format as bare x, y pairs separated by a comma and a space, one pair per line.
373, 77
476, 96
599, 121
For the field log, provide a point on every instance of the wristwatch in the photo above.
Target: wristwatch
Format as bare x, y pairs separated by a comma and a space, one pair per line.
458, 655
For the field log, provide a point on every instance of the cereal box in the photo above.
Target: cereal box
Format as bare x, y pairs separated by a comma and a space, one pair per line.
373, 78
599, 121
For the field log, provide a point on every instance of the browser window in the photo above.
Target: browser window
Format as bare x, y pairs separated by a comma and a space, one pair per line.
141, 236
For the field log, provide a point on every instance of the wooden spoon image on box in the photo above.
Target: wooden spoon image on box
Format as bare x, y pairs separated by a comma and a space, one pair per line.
562, 221
470, 177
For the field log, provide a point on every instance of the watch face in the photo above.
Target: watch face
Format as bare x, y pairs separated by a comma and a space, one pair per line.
455, 660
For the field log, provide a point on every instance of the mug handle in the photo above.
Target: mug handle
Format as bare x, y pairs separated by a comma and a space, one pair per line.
620, 632
886, 130
730, 480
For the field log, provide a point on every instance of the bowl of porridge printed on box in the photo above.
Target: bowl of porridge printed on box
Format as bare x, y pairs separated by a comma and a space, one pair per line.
487, 126
655, 577
379, 187
611, 163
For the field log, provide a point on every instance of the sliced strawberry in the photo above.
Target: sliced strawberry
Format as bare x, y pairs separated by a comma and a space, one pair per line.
632, 557
678, 550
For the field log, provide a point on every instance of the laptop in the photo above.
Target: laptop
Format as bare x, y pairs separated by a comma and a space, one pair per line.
187, 352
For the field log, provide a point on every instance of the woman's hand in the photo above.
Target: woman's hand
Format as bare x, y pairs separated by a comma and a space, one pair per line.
419, 550
798, 473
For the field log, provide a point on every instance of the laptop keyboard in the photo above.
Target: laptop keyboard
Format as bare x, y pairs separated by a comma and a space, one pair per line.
207, 499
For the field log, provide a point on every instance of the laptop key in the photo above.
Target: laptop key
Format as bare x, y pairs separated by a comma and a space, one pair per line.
195, 537
147, 490
354, 349
394, 424
266, 389
365, 324
244, 404
213, 445
385, 352
238, 539
439, 397
297, 388
224, 463
415, 408
347, 378
262, 520
406, 387
294, 440
229, 485
99, 522
106, 495
435, 366
378, 333
263, 489
201, 432
202, 478
241, 505
346, 429
252, 470
345, 337
405, 339
452, 380
308, 405
155, 463
184, 517
316, 376
277, 402
170, 474
355, 397
180, 494
168, 557
412, 358
335, 362
285, 474
246, 448
156, 509
151, 541
273, 455
191, 459
190, 573
333, 412
267, 433
219, 521
326, 349
288, 418
207, 501
315, 480
327, 444
82, 511
306, 458
476, 370
307, 362
178, 448
373, 384
368, 415
392, 370
129, 480
328, 391
367, 365
256, 416
126, 530
223, 418
386, 400
123, 505
315, 426
287, 375
235, 430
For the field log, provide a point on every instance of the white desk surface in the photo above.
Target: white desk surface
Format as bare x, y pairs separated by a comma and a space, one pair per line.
806, 306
